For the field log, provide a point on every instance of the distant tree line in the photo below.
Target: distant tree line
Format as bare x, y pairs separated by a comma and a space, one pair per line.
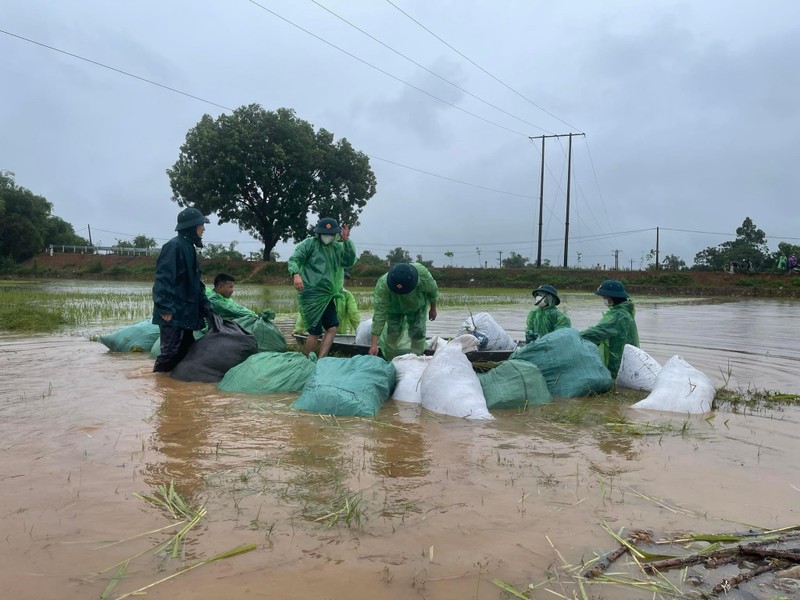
27, 224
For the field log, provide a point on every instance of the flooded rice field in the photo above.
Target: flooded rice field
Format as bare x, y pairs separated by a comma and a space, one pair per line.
409, 505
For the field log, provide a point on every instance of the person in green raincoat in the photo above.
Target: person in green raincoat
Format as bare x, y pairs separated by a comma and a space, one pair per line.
616, 328
403, 299
317, 269
346, 312
268, 337
545, 317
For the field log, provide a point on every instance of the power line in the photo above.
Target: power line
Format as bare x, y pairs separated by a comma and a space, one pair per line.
370, 65
500, 81
115, 69
426, 69
475, 185
212, 103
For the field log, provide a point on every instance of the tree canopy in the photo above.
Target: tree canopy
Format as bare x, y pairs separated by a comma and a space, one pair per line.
27, 225
267, 171
750, 244
515, 261
398, 255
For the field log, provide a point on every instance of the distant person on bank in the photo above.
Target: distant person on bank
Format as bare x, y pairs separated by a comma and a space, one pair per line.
402, 301
317, 269
616, 328
180, 304
545, 317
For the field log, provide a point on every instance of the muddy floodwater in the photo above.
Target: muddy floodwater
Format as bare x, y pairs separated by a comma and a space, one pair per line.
410, 505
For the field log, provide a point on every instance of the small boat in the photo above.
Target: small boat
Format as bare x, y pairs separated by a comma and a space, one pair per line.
345, 344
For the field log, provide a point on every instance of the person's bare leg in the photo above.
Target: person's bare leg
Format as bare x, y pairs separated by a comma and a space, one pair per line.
311, 344
327, 341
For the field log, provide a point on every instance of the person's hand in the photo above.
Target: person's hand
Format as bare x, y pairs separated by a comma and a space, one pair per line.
298, 282
373, 349
167, 318
345, 233
432, 313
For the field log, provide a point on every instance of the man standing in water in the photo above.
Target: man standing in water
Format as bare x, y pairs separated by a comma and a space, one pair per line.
179, 296
317, 269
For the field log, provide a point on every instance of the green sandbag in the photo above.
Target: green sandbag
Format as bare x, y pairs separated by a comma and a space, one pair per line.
514, 384
348, 387
571, 365
269, 373
268, 337
134, 338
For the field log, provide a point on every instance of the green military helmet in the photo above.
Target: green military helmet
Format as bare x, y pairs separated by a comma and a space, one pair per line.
402, 278
327, 226
547, 289
190, 217
611, 288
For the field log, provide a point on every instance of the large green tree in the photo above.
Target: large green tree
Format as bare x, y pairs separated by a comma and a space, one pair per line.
267, 171
750, 244
27, 225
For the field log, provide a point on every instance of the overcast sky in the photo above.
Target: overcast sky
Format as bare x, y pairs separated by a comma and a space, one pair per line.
690, 112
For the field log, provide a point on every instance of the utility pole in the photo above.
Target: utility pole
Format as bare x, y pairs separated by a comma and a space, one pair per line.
89, 227
631, 264
616, 260
657, 232
541, 194
500, 260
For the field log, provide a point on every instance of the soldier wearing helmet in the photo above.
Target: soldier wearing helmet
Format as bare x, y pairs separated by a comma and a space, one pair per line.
616, 328
402, 300
545, 317
179, 298
317, 269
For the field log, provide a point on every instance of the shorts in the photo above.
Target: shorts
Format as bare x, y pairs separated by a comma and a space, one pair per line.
329, 319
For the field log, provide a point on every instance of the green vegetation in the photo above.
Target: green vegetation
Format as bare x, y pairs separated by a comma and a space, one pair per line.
27, 225
236, 166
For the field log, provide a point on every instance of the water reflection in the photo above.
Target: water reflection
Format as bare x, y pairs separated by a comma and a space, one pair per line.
399, 451
181, 437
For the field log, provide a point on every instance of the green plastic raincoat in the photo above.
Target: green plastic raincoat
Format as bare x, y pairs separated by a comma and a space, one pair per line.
401, 312
346, 312
322, 269
615, 329
268, 337
544, 320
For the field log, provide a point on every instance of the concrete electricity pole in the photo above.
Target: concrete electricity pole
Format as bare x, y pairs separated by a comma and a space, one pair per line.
541, 194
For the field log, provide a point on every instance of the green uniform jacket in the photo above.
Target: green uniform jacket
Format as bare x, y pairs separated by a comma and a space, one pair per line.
346, 312
386, 302
178, 289
226, 307
322, 269
544, 320
615, 329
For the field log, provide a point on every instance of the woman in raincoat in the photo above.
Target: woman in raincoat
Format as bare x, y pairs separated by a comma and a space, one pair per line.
545, 317
317, 269
616, 328
402, 301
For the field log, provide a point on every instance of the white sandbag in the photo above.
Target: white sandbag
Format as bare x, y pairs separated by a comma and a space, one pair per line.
679, 387
449, 386
409, 369
364, 333
436, 342
638, 370
490, 335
